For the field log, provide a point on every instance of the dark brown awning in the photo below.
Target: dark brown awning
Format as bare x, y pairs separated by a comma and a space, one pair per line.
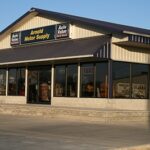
67, 49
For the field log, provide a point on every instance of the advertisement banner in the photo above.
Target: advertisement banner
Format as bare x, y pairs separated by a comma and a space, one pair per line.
15, 38
47, 33
38, 35
62, 31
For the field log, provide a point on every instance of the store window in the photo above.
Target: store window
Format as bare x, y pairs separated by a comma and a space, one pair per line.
87, 80
72, 80
65, 82
60, 80
16, 81
102, 79
39, 84
94, 80
139, 81
121, 80
2, 81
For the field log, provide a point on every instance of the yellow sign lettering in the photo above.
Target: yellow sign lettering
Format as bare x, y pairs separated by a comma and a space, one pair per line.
35, 32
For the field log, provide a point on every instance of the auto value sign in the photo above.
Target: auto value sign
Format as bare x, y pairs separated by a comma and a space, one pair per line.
41, 34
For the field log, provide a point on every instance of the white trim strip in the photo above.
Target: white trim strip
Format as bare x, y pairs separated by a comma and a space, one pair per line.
6, 82
134, 33
52, 82
78, 88
26, 82
46, 59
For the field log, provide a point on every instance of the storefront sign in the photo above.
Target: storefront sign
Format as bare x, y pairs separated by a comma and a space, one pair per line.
62, 31
15, 38
41, 34
38, 35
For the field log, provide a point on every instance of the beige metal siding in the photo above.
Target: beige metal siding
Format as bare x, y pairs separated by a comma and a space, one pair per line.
5, 42
36, 22
76, 31
130, 54
81, 31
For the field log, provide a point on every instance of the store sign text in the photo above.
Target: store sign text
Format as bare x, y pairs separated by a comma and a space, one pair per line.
47, 33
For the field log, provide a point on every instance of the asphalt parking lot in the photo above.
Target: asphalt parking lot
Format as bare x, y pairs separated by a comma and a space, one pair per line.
36, 133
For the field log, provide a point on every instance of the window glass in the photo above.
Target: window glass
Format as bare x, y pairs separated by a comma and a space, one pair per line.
12, 82
121, 80
72, 80
65, 83
39, 84
45, 85
139, 81
21, 81
16, 81
102, 79
60, 80
87, 80
2, 81
32, 85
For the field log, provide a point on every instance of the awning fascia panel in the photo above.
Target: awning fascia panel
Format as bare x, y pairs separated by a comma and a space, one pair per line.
69, 49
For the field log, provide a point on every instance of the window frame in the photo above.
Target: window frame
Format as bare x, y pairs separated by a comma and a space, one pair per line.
66, 80
17, 77
131, 78
5, 80
95, 78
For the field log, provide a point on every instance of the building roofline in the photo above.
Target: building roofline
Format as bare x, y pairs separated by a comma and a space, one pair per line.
16, 21
110, 28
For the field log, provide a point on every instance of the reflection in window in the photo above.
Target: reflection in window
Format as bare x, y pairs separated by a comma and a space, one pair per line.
39, 84
60, 76
45, 85
72, 80
16, 81
65, 83
121, 80
12, 82
87, 80
102, 79
139, 81
2, 81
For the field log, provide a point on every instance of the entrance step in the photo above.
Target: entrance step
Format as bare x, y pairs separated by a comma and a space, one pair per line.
75, 113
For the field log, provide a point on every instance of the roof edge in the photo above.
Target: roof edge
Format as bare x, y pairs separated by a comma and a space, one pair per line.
19, 19
112, 28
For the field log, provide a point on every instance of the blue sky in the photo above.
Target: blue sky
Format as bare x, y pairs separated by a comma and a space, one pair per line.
128, 12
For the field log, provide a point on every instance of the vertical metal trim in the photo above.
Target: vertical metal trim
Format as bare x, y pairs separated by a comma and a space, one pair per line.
6, 82
110, 81
78, 84
26, 83
110, 50
110, 70
52, 81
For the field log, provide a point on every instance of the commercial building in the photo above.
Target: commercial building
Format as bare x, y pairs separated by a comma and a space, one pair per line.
64, 60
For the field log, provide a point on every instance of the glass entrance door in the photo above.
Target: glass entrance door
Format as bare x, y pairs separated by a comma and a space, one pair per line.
39, 84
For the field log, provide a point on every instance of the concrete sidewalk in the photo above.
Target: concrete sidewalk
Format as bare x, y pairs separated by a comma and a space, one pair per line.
36, 133
106, 115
